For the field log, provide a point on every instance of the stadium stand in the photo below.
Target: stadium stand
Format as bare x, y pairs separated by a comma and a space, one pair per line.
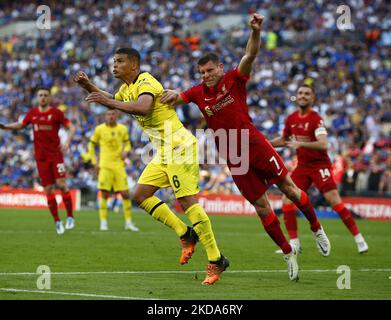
350, 70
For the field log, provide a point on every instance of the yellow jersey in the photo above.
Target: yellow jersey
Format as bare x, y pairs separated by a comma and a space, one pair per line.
112, 142
162, 124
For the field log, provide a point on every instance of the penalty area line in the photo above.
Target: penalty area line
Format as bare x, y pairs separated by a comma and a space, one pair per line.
89, 295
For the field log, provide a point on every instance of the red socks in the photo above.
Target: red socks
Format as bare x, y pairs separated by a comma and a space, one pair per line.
305, 206
289, 212
347, 218
272, 227
308, 210
66, 197
52, 204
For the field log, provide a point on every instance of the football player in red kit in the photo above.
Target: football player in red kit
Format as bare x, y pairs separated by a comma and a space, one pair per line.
46, 121
221, 97
305, 132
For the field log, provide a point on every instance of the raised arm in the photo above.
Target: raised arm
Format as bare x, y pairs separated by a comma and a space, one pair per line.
253, 45
83, 81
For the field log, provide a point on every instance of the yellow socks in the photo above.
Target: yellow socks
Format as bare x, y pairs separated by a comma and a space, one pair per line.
127, 207
161, 212
103, 209
202, 226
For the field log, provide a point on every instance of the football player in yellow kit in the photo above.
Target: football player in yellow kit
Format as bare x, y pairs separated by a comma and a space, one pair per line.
114, 145
175, 163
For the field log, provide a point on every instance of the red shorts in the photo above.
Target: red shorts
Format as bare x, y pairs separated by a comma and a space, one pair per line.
265, 168
321, 176
50, 171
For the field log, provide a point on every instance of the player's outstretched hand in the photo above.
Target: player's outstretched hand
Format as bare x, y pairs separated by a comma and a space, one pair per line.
169, 96
97, 97
2, 126
256, 22
81, 78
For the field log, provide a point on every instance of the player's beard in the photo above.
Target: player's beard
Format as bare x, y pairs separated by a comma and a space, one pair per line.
304, 106
44, 105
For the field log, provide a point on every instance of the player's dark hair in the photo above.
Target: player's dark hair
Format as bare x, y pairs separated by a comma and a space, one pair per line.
131, 53
211, 56
305, 85
42, 88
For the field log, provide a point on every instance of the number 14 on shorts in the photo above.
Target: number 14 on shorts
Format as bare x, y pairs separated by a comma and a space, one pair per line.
325, 173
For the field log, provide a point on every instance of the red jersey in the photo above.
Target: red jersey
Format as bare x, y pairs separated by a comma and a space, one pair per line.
46, 126
306, 128
225, 107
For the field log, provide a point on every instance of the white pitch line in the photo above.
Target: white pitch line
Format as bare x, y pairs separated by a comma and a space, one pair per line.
175, 272
123, 232
91, 295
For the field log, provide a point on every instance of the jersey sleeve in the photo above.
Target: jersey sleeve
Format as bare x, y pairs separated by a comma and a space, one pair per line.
319, 127
63, 119
27, 119
240, 77
190, 95
96, 136
286, 133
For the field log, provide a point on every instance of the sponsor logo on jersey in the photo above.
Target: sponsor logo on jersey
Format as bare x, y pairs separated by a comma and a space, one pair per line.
42, 127
208, 111
222, 93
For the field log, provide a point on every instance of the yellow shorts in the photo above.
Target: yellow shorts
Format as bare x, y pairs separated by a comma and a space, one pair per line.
113, 179
183, 177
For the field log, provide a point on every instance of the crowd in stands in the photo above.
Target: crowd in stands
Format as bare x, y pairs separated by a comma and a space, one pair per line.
349, 69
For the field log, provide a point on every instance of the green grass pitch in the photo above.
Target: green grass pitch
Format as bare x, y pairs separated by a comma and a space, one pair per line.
90, 264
